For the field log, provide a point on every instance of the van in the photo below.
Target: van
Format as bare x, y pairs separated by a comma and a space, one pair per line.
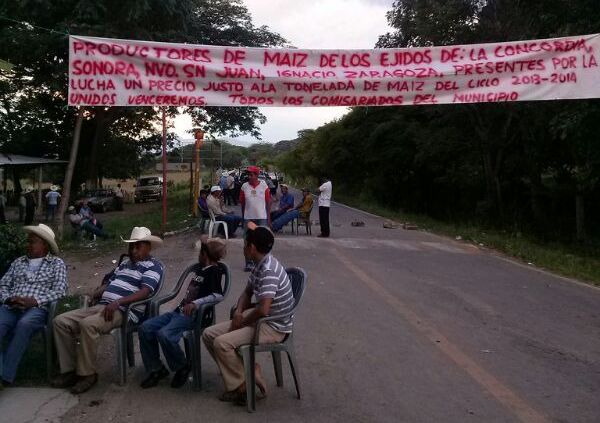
148, 188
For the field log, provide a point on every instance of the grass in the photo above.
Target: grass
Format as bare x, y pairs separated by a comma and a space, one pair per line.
120, 224
571, 260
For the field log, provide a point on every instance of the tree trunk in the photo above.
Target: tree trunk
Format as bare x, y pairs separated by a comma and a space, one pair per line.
69, 175
98, 139
580, 217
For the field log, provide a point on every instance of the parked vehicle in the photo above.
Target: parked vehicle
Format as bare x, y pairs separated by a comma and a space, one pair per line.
148, 188
101, 200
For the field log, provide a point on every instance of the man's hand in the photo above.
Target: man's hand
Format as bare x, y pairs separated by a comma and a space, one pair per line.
11, 301
27, 302
109, 311
189, 309
236, 321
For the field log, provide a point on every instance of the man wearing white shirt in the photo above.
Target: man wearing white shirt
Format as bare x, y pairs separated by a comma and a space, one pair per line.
324, 204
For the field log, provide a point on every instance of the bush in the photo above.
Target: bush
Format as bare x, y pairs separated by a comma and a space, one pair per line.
12, 239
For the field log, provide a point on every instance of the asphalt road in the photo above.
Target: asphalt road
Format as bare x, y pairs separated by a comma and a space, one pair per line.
397, 326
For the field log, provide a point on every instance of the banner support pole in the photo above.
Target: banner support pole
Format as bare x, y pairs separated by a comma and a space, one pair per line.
164, 171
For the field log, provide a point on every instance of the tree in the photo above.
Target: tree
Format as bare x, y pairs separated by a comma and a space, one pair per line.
33, 116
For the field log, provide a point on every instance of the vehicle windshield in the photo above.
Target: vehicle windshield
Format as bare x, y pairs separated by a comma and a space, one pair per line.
148, 181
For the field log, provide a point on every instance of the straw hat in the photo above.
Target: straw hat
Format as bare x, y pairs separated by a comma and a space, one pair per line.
141, 233
215, 188
46, 234
54, 188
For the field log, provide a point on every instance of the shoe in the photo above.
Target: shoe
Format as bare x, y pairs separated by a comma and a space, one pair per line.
181, 377
5, 384
84, 384
64, 380
231, 396
154, 377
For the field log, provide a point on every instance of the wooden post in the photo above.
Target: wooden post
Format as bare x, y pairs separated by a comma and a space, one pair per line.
39, 210
164, 171
197, 178
69, 175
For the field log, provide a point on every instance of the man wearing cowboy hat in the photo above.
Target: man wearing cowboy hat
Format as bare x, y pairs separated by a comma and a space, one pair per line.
31, 283
52, 197
135, 279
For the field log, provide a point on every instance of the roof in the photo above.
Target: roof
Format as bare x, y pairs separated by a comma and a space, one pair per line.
17, 159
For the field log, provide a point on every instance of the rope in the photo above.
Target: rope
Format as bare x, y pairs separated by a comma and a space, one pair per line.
52, 31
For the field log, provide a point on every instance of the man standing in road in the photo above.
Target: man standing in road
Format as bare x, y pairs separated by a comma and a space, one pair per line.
255, 199
31, 283
270, 285
324, 205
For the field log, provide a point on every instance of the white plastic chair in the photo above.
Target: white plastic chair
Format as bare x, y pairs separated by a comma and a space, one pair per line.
214, 225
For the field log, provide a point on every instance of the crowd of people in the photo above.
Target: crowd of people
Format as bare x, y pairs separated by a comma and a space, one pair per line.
258, 204
39, 278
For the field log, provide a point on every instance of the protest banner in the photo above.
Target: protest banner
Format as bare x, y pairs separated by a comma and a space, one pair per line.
112, 72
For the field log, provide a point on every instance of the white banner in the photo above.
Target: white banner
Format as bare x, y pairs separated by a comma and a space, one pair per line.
111, 72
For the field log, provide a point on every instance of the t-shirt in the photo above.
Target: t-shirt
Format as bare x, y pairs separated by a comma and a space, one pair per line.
270, 280
325, 196
33, 265
286, 201
255, 200
52, 197
205, 283
128, 278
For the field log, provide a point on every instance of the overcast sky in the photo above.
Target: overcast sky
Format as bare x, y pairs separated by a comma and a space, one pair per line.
311, 24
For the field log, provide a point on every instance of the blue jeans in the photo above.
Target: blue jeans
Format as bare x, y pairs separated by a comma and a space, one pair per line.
50, 211
232, 221
284, 219
17, 327
259, 222
166, 330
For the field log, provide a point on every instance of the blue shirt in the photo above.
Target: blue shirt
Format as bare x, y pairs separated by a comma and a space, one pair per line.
128, 278
286, 201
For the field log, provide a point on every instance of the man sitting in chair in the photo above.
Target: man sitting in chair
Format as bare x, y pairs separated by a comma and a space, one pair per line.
215, 205
286, 203
270, 284
168, 328
301, 210
31, 283
135, 279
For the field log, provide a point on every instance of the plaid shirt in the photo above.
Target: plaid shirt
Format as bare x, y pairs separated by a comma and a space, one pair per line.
49, 283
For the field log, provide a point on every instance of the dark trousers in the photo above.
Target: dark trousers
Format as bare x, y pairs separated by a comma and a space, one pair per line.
21, 213
2, 216
29, 212
324, 220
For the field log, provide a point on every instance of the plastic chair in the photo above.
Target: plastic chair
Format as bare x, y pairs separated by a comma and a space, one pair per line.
204, 317
214, 225
203, 221
304, 221
298, 279
123, 335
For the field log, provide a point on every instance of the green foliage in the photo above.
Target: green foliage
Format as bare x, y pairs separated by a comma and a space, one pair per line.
33, 117
516, 166
12, 239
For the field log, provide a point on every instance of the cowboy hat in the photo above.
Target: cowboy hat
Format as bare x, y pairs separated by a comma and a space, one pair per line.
217, 247
46, 234
53, 187
141, 233
28, 189
215, 188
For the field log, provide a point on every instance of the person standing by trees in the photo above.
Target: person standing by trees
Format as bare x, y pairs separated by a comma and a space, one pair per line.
2, 208
30, 205
324, 204
52, 197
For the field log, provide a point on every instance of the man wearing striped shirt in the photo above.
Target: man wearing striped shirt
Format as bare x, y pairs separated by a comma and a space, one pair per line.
135, 279
270, 285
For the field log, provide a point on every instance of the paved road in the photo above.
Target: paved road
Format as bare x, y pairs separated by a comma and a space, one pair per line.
400, 326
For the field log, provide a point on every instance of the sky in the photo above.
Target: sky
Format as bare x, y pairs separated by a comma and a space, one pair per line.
310, 24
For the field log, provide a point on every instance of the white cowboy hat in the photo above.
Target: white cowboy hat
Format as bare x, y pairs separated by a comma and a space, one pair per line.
28, 189
53, 187
215, 188
46, 234
224, 173
141, 233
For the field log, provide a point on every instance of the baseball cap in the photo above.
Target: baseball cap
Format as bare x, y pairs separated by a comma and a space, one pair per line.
215, 188
253, 169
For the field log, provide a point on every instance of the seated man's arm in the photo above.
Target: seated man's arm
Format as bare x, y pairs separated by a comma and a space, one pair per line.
262, 309
58, 288
7, 283
243, 304
110, 309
